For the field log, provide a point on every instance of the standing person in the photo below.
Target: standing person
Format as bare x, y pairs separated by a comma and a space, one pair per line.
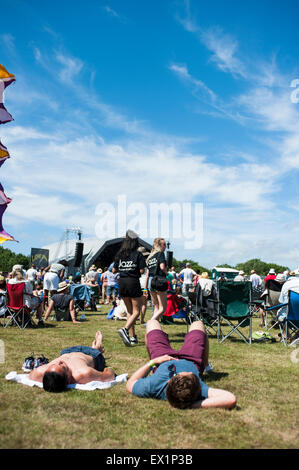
188, 275
92, 275
271, 275
104, 284
53, 275
31, 275
130, 264
196, 277
112, 286
156, 264
143, 278
256, 280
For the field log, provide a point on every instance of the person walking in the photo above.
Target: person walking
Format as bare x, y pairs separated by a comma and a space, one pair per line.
130, 264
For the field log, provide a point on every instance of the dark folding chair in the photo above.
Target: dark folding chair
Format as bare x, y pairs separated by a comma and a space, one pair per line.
204, 308
235, 309
271, 301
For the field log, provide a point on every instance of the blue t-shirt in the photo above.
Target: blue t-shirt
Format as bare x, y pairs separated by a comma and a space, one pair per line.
154, 386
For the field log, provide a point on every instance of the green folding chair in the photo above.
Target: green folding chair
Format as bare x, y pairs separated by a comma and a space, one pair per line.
234, 310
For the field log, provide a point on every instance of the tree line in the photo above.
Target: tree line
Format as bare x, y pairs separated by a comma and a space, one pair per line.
261, 267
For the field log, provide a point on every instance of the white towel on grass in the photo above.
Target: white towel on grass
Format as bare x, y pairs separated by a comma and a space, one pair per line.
95, 384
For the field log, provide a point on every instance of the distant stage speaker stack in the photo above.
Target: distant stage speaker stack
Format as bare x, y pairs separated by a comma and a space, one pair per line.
78, 254
169, 259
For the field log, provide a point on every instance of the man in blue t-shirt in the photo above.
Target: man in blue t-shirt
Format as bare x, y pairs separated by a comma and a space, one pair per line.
177, 374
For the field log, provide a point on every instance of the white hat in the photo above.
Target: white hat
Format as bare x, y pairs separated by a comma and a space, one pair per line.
241, 273
280, 277
272, 271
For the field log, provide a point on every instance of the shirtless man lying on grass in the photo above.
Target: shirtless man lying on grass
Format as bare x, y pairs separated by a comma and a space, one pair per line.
78, 364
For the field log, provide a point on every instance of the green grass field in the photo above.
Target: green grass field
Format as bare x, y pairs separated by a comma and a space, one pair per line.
262, 376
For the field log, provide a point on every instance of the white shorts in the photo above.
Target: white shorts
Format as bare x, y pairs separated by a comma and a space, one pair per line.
51, 281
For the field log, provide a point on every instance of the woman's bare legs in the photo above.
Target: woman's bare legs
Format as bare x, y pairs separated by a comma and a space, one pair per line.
160, 304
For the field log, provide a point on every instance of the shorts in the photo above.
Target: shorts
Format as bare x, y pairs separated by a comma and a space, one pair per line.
129, 287
192, 350
98, 358
51, 281
111, 290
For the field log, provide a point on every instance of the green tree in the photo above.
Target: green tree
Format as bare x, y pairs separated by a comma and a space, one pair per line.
8, 259
260, 267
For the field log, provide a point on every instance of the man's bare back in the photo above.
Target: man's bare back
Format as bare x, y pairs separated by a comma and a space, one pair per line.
78, 367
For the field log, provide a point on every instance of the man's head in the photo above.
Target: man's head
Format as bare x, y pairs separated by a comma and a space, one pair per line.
63, 287
182, 390
56, 377
187, 265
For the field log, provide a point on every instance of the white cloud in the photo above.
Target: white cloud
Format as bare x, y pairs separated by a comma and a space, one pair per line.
224, 48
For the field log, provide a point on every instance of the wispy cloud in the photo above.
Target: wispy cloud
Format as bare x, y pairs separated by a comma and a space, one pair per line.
111, 12
182, 72
224, 48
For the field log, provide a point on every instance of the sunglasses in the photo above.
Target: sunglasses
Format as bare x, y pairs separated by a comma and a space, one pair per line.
172, 370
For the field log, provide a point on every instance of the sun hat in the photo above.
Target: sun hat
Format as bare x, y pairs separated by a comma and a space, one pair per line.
99, 270
272, 271
241, 273
280, 277
62, 286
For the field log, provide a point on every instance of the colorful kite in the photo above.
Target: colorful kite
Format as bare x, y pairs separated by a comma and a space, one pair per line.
4, 236
5, 80
4, 154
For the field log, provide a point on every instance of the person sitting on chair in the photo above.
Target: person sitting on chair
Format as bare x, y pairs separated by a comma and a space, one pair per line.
177, 374
62, 301
78, 364
30, 301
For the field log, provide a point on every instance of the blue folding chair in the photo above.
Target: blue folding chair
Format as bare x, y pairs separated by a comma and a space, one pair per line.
290, 325
81, 295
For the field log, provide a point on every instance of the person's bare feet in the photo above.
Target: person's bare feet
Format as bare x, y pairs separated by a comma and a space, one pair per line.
98, 342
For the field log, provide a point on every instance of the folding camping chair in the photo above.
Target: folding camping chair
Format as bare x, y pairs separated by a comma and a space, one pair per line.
204, 308
290, 325
17, 310
81, 295
271, 300
234, 309
94, 296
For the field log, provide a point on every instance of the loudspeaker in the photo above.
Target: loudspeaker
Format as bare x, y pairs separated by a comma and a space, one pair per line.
169, 259
78, 254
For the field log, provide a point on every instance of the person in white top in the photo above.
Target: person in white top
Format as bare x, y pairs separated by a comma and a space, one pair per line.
188, 275
256, 280
291, 284
31, 275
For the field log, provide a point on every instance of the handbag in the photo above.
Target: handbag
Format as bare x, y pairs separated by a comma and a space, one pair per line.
159, 283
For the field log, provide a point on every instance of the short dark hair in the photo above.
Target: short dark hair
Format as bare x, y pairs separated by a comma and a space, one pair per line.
183, 390
53, 382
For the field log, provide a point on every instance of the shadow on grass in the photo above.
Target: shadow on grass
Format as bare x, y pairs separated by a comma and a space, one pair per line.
214, 376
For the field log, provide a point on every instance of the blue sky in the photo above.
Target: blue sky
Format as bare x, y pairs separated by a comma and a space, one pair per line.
161, 101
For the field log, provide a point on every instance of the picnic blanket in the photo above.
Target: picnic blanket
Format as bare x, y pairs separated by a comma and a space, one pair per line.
94, 385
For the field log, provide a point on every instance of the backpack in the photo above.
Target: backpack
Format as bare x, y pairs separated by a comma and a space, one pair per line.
262, 336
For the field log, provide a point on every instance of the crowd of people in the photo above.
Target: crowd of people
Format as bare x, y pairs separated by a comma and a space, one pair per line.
134, 277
